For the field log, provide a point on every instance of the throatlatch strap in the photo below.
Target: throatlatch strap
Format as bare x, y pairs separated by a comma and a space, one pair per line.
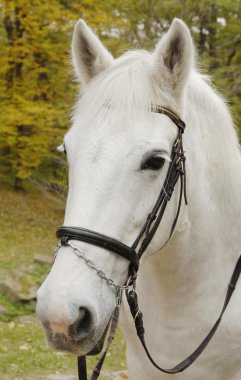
138, 319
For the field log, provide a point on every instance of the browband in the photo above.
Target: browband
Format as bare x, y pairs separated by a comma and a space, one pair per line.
172, 115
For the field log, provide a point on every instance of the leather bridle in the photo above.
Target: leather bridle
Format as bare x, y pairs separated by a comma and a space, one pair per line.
176, 170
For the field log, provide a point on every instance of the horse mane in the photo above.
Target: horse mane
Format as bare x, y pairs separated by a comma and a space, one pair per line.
212, 107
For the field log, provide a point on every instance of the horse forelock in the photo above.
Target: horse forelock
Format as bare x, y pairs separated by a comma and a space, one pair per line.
126, 87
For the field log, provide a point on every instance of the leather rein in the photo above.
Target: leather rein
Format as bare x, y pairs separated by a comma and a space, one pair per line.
176, 170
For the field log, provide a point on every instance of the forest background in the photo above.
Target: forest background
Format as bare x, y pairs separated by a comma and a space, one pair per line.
37, 89
37, 94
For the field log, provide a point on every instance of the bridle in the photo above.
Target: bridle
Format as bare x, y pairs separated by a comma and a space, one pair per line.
176, 170
134, 253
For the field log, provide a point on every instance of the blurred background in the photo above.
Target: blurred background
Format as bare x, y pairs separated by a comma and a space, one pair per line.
37, 93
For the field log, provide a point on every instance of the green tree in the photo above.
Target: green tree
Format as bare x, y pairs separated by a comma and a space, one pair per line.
35, 90
215, 26
36, 85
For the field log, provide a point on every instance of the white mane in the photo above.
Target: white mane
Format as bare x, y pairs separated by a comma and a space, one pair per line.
207, 112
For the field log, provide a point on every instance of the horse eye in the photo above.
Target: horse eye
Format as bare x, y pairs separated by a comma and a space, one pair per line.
61, 148
153, 163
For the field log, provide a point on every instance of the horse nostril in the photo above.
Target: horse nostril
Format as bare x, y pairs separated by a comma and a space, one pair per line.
83, 324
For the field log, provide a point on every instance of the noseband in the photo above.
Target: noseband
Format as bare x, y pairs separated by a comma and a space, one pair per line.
135, 252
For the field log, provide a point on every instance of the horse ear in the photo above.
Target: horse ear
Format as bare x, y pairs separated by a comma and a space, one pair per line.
173, 57
90, 57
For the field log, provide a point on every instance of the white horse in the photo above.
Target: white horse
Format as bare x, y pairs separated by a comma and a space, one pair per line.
181, 287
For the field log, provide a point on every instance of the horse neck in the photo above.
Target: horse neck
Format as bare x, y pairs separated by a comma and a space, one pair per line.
214, 163
207, 238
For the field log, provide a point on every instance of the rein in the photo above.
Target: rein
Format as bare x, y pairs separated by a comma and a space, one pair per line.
176, 170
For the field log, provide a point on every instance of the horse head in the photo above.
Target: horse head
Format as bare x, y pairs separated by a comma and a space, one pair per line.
118, 152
